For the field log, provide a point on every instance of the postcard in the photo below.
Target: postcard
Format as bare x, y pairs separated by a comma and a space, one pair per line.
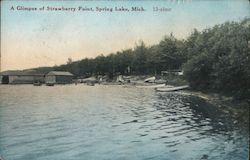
124, 80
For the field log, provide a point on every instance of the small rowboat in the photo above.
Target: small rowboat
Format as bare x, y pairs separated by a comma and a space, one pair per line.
151, 86
171, 89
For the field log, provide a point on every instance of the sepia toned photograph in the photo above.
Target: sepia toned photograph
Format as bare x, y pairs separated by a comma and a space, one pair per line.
124, 80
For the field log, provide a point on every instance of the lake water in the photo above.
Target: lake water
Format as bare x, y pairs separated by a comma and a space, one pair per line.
76, 122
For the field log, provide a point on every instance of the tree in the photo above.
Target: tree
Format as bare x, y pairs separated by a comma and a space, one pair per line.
69, 61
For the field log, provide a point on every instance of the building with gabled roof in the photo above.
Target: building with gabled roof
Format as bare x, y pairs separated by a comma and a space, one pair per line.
58, 77
21, 77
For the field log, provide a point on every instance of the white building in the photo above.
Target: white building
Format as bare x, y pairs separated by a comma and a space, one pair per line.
21, 77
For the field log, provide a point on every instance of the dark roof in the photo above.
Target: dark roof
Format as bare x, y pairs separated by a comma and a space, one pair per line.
21, 73
59, 73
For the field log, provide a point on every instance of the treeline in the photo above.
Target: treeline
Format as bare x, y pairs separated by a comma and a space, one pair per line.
213, 59
140, 60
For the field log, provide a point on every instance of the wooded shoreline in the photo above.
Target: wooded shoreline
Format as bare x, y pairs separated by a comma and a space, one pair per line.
216, 59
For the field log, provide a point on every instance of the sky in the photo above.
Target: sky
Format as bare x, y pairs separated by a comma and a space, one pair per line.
38, 38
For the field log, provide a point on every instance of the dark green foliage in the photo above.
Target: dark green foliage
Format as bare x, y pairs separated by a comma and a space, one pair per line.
173, 52
219, 59
215, 59
140, 60
197, 71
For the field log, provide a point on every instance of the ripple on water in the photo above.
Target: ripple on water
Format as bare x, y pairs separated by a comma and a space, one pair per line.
112, 122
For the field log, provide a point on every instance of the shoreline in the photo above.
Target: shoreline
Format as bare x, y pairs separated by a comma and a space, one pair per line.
238, 110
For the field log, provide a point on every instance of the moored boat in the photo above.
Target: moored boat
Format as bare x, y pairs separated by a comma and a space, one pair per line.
171, 89
151, 86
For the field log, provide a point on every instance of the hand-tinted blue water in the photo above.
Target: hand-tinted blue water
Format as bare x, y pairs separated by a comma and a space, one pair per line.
75, 122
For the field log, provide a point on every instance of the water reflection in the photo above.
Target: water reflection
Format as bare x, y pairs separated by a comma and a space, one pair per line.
112, 122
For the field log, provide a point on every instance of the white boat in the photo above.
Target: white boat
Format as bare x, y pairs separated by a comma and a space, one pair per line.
87, 80
154, 80
151, 86
149, 80
171, 89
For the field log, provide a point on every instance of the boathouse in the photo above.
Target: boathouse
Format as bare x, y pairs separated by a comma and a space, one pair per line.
21, 77
58, 77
